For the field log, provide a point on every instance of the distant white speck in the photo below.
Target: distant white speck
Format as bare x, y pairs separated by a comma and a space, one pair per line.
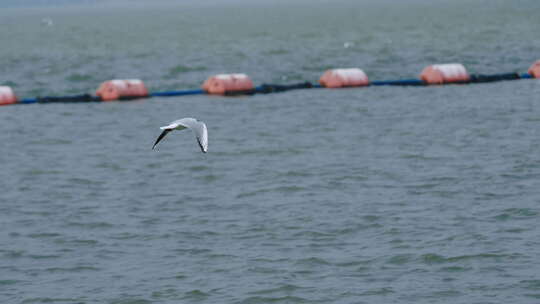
47, 22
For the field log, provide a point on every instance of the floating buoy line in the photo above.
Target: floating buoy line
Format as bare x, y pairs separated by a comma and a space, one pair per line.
241, 84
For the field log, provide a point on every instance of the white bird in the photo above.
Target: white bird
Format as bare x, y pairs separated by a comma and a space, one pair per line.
47, 22
348, 44
198, 128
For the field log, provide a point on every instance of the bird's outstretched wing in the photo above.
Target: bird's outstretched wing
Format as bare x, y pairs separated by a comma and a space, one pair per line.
165, 131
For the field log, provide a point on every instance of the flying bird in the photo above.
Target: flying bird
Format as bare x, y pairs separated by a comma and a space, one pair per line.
47, 22
198, 128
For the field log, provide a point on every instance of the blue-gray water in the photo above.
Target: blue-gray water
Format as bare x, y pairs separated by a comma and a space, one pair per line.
372, 195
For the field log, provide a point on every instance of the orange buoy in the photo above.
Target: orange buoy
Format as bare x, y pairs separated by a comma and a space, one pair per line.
445, 73
119, 89
7, 96
339, 78
534, 70
225, 83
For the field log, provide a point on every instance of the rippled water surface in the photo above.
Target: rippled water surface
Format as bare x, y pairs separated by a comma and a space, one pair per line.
373, 195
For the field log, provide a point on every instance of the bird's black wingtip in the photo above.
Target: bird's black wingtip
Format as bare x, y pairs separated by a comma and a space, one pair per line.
161, 137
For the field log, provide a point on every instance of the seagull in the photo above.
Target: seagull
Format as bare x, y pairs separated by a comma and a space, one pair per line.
198, 128
348, 44
47, 22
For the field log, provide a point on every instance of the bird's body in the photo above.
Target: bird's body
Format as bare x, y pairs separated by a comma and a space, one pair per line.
198, 128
